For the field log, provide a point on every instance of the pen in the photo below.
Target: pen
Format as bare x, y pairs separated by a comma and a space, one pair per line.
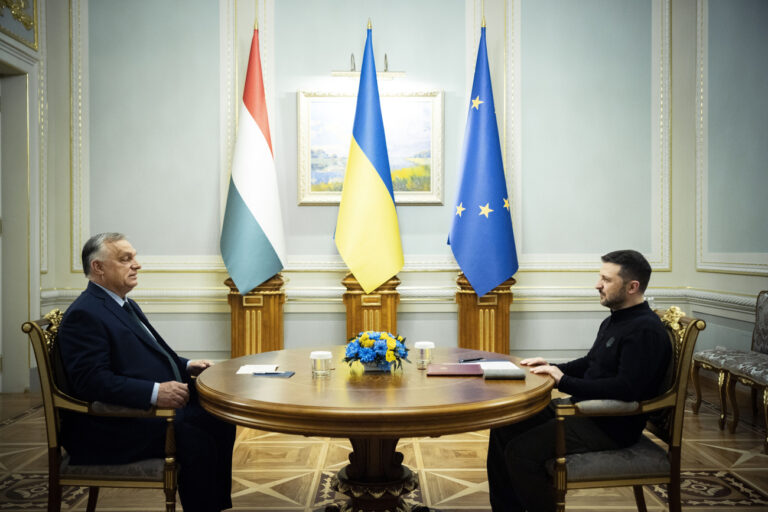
471, 359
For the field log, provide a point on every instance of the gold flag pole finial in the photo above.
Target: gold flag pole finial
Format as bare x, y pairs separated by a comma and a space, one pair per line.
256, 23
482, 12
369, 24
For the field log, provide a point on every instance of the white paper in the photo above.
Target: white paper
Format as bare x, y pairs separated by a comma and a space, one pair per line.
257, 368
497, 365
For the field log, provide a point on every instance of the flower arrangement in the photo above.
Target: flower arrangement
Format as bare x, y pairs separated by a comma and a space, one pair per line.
380, 348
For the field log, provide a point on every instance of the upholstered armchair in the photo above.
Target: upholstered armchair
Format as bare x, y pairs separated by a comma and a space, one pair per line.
157, 473
739, 366
646, 462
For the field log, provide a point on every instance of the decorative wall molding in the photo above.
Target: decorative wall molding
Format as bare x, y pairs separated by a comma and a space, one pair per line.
304, 263
227, 102
179, 263
718, 298
412, 263
662, 34
726, 262
24, 20
80, 136
659, 175
42, 109
427, 298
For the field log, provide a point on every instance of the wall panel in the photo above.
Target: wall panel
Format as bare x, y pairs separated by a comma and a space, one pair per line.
149, 97
589, 115
732, 137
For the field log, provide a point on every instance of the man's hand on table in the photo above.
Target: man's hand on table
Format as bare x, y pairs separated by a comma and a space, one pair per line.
540, 366
196, 367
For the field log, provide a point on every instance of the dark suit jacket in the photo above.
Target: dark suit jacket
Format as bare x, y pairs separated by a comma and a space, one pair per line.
107, 357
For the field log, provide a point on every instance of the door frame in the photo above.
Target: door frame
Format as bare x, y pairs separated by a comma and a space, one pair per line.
23, 106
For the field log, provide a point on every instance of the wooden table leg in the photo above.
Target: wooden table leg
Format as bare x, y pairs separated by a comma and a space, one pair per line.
375, 478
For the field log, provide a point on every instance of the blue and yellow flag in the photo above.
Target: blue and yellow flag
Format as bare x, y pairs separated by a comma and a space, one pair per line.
481, 236
367, 234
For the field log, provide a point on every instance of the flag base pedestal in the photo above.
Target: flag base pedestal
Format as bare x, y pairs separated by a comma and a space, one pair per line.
484, 321
376, 311
257, 317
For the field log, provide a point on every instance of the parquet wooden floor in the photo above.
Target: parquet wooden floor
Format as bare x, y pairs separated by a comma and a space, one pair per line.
276, 472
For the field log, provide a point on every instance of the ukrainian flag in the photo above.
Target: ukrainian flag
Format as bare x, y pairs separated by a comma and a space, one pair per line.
367, 233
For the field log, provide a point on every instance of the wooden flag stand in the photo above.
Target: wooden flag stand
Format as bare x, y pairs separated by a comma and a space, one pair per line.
375, 311
257, 317
484, 321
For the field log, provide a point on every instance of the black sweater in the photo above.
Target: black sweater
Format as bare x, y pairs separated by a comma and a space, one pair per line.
628, 361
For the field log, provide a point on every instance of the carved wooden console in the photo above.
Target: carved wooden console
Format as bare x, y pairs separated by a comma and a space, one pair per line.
484, 321
375, 311
257, 317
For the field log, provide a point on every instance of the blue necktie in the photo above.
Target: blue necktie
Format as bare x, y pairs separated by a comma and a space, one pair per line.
127, 306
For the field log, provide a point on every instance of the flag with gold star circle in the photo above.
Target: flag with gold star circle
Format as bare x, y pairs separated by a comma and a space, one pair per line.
481, 235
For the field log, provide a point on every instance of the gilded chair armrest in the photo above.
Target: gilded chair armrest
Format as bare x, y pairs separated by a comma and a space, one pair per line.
105, 409
664, 401
64, 401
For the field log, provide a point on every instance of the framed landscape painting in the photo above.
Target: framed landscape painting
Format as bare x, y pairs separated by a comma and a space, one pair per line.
413, 127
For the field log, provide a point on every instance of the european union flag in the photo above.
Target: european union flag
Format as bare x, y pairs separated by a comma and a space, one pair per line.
481, 236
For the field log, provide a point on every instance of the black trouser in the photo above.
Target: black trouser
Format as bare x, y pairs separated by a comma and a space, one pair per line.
204, 454
517, 454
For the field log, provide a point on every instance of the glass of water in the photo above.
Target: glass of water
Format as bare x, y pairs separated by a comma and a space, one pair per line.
423, 353
321, 363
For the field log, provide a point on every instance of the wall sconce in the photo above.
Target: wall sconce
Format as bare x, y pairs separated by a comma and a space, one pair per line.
386, 74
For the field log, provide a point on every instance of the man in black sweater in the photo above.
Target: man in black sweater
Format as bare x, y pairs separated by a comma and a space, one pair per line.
628, 361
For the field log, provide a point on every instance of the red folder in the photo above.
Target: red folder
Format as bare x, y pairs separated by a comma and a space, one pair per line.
454, 370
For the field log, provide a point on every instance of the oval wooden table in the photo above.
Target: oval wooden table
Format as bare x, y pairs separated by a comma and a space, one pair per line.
373, 410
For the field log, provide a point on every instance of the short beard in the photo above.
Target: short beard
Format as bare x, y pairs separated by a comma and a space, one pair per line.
616, 301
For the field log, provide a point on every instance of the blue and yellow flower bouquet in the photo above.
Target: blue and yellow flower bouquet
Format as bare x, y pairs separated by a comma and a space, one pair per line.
380, 349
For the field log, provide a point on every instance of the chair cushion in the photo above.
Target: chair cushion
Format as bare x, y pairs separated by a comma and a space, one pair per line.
721, 357
754, 368
143, 470
643, 459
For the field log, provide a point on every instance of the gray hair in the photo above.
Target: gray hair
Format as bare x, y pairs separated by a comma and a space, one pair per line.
94, 248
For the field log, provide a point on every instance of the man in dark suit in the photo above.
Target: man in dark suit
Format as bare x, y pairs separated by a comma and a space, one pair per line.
112, 354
